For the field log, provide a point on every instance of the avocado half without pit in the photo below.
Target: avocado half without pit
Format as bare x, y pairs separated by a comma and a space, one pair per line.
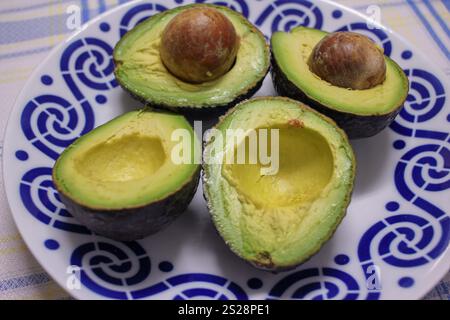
120, 180
192, 58
277, 219
343, 75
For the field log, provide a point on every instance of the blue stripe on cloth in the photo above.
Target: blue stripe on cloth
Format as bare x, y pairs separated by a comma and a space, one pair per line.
40, 27
84, 11
437, 17
381, 4
390, 3
24, 53
101, 6
25, 281
429, 28
16, 31
446, 4
32, 7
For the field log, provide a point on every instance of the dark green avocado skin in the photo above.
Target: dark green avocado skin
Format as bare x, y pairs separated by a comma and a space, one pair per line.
266, 263
356, 126
203, 111
134, 223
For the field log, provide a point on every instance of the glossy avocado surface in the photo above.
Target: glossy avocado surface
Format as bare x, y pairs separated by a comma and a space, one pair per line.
140, 70
277, 217
361, 113
120, 179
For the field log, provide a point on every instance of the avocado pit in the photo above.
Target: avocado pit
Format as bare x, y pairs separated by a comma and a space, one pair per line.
348, 60
178, 73
199, 45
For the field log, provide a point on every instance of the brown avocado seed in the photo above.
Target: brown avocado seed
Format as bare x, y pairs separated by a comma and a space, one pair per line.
199, 45
348, 60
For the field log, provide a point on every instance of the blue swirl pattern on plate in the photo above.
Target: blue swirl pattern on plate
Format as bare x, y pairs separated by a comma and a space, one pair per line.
316, 284
42, 201
111, 269
52, 123
137, 14
407, 240
284, 15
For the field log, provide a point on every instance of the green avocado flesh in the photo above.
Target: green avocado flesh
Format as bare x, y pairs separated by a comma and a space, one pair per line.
140, 71
291, 51
278, 221
125, 163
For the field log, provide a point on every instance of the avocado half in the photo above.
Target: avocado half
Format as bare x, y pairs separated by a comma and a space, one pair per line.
120, 180
361, 113
140, 71
278, 221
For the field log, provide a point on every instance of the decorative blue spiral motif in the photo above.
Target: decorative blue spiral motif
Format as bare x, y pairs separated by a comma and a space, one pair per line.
237, 5
117, 270
376, 34
283, 15
426, 167
205, 286
404, 240
91, 61
111, 268
51, 123
42, 201
426, 96
137, 14
411, 240
316, 284
425, 100
194, 286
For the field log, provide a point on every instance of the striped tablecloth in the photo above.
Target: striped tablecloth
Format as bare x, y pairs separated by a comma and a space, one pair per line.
29, 29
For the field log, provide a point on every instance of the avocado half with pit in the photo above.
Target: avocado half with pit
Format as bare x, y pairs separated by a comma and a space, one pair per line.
140, 70
120, 180
361, 113
276, 216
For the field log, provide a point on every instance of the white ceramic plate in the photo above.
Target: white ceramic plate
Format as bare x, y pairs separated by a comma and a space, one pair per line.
393, 243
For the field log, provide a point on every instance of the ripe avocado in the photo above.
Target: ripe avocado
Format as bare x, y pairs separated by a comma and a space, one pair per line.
120, 180
140, 70
361, 113
278, 221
